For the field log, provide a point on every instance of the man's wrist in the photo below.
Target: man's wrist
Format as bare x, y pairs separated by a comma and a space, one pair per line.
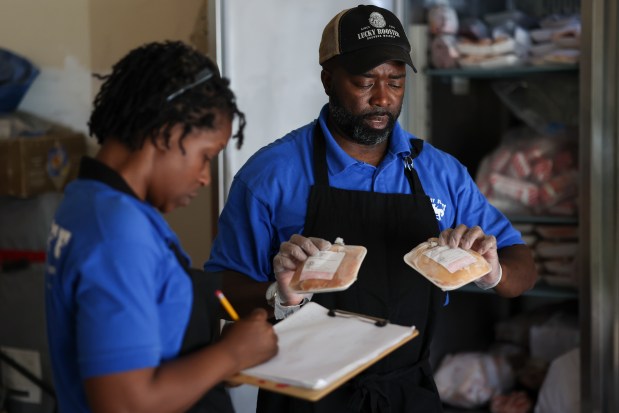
283, 311
485, 286
273, 295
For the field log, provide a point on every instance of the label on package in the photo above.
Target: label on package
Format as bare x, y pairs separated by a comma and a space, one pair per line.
322, 265
453, 259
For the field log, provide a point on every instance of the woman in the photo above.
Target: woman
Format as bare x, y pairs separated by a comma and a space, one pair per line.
130, 326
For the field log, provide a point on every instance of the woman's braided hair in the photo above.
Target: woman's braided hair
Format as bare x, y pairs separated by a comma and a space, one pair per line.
134, 101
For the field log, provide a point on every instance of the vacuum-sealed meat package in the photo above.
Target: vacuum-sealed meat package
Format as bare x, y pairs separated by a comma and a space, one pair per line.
530, 174
447, 268
332, 270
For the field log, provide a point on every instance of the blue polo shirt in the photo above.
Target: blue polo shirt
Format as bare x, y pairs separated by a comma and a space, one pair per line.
117, 298
268, 197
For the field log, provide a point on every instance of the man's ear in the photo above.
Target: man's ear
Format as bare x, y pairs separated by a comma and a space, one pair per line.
325, 78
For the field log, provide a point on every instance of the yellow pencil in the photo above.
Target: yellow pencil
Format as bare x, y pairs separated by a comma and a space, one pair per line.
226, 304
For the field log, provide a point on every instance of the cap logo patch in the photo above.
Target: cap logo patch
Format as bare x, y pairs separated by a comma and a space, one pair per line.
377, 28
377, 20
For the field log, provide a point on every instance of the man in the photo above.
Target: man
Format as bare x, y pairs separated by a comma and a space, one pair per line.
129, 323
354, 173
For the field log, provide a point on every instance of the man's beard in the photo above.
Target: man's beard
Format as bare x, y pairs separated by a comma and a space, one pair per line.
354, 127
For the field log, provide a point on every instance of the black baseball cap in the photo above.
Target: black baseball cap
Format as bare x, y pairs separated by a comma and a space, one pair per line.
364, 37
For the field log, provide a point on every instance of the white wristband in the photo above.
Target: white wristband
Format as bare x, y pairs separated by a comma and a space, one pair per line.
485, 286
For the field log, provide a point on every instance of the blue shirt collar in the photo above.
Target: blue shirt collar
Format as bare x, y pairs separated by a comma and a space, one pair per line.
338, 160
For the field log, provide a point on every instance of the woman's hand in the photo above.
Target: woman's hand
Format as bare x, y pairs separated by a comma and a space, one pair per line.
251, 339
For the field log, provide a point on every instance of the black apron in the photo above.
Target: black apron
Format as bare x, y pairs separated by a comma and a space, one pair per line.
389, 226
202, 330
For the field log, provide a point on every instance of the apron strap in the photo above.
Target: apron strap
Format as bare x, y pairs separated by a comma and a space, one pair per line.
202, 330
182, 260
409, 170
321, 172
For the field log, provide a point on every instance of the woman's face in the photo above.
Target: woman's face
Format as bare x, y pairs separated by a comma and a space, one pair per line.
181, 169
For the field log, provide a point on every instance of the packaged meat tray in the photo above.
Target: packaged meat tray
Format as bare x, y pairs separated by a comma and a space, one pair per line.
332, 270
447, 268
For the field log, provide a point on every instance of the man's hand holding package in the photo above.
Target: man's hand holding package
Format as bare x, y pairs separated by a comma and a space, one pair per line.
293, 253
475, 239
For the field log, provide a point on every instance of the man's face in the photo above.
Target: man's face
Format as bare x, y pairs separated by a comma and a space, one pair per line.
364, 107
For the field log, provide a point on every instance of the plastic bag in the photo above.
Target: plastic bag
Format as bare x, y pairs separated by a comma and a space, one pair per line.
469, 380
545, 104
332, 270
16, 76
532, 174
560, 392
442, 19
447, 268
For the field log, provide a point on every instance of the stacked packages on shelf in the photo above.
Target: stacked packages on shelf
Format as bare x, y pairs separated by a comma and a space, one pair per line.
502, 39
555, 248
533, 175
537, 175
557, 41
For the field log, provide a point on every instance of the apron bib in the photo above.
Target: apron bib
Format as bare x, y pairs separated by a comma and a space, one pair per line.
203, 329
388, 225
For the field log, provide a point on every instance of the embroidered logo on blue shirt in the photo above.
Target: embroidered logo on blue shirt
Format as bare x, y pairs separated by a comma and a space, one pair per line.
439, 208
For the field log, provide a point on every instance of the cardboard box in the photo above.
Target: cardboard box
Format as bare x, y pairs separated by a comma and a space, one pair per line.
34, 165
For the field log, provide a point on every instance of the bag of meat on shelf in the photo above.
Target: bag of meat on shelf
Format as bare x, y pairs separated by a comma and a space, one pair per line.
532, 174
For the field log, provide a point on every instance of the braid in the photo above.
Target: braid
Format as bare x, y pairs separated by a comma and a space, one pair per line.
132, 104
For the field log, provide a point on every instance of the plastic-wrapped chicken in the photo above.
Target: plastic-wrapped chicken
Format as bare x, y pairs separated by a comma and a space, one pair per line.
442, 19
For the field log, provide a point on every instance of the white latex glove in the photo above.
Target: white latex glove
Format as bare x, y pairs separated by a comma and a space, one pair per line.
291, 254
475, 239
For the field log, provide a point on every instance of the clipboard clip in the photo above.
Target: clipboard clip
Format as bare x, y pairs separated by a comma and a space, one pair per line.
379, 322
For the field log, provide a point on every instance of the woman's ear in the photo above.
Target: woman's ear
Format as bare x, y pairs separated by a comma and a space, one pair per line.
160, 142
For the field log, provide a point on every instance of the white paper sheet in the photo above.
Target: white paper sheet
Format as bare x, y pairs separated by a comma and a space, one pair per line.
316, 349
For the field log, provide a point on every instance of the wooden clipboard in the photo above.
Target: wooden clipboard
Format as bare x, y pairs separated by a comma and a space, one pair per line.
310, 393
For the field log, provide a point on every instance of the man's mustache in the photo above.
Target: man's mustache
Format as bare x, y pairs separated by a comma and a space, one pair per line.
378, 113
